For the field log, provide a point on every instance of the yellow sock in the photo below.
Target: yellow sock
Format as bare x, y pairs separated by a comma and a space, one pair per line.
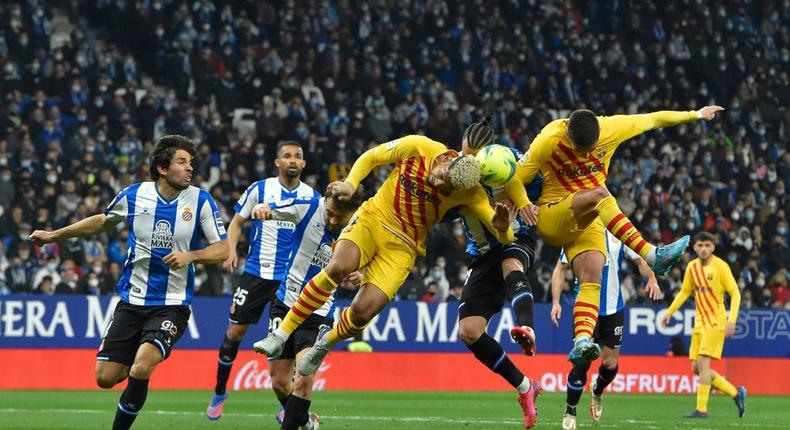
621, 227
344, 329
722, 384
585, 310
703, 392
312, 297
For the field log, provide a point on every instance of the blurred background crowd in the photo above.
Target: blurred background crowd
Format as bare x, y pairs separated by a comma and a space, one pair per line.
89, 85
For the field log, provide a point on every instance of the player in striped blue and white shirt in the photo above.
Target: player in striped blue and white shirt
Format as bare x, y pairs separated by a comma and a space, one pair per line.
608, 332
318, 222
168, 220
267, 259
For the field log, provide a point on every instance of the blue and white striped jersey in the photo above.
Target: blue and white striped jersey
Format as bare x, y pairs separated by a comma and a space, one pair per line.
478, 239
611, 292
311, 247
158, 227
270, 241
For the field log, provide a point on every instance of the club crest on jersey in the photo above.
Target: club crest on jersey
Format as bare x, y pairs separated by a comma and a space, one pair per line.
600, 153
709, 276
162, 237
186, 215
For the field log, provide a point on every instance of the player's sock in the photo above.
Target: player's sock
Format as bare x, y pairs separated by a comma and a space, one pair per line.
703, 392
585, 310
296, 413
522, 302
489, 352
284, 400
577, 379
344, 329
723, 385
312, 297
227, 354
621, 227
131, 402
605, 377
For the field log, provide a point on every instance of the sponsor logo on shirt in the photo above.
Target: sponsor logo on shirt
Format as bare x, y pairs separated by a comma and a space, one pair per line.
162, 236
573, 172
411, 187
322, 255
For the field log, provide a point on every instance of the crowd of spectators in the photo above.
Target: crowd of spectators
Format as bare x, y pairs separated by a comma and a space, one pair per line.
89, 85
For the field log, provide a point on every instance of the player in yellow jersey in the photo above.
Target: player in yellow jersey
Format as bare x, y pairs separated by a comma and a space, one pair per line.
709, 277
575, 207
388, 232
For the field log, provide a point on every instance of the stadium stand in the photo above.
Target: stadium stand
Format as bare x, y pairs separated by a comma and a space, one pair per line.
84, 98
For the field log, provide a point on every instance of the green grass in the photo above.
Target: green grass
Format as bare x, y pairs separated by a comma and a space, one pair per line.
379, 410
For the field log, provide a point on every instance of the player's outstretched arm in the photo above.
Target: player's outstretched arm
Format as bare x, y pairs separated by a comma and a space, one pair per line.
623, 127
557, 278
86, 227
386, 153
683, 295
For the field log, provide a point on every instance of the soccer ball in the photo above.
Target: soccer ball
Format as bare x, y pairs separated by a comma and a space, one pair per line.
497, 165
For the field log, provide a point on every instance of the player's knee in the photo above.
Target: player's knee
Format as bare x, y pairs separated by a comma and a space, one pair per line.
339, 269
694, 368
236, 332
281, 384
597, 194
469, 333
511, 265
103, 380
361, 315
303, 386
609, 362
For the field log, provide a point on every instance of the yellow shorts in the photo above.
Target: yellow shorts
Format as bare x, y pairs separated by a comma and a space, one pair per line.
557, 226
707, 342
388, 258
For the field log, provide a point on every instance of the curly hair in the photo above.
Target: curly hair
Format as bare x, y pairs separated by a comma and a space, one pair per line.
165, 148
463, 172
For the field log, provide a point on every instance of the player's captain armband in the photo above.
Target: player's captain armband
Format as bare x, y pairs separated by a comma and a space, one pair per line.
391, 144
523, 159
220, 224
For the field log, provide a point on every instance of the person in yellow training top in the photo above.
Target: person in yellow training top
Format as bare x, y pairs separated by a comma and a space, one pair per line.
575, 207
709, 277
388, 232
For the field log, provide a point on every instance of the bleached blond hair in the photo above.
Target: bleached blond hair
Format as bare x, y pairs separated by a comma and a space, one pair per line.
463, 172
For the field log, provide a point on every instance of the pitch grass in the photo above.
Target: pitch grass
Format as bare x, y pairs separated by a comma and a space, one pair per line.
379, 411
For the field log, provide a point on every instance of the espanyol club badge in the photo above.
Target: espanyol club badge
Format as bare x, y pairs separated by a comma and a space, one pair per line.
186, 215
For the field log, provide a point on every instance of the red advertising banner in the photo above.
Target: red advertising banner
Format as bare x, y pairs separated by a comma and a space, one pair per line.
195, 369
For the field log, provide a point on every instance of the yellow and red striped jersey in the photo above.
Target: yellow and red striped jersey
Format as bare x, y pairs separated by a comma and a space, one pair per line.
709, 282
406, 203
565, 171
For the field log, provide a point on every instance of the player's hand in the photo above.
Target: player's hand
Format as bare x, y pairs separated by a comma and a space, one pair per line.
556, 314
261, 211
511, 207
709, 112
729, 329
178, 260
665, 320
341, 190
229, 265
353, 280
501, 220
653, 290
529, 213
41, 237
